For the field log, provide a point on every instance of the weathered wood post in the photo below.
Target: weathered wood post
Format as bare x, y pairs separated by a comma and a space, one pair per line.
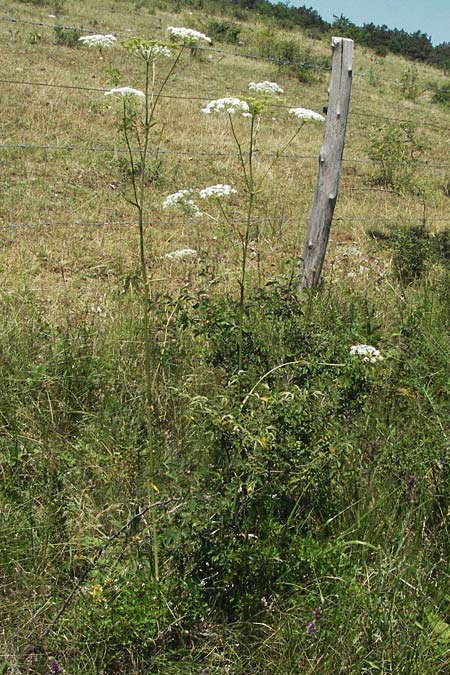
330, 159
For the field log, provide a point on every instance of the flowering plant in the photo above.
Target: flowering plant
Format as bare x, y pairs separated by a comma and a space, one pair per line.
125, 91
306, 115
148, 50
217, 191
265, 87
99, 41
181, 253
230, 105
182, 200
187, 36
367, 353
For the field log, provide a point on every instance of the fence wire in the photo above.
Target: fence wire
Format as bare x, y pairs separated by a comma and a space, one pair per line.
300, 221
206, 97
271, 59
206, 155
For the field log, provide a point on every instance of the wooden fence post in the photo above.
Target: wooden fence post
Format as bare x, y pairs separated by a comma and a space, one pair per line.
330, 159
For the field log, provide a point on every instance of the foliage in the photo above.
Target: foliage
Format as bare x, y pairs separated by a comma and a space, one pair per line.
224, 31
396, 149
441, 94
286, 499
300, 501
414, 249
416, 46
409, 84
67, 37
291, 58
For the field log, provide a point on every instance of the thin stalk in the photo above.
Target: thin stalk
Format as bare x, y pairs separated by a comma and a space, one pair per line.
151, 101
251, 197
280, 152
130, 154
146, 326
241, 154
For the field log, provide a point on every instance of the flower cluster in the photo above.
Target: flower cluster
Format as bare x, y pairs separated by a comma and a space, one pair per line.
182, 199
98, 40
187, 36
367, 353
147, 50
312, 626
181, 253
125, 91
229, 105
217, 191
265, 87
305, 114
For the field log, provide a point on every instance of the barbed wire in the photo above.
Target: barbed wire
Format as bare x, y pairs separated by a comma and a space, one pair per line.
271, 59
275, 60
206, 97
286, 62
227, 52
205, 154
43, 24
300, 220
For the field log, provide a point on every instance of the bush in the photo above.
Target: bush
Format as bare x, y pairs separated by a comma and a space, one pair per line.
68, 37
441, 94
396, 149
413, 249
291, 58
224, 31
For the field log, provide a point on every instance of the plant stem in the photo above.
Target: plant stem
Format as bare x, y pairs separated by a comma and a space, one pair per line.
245, 241
146, 323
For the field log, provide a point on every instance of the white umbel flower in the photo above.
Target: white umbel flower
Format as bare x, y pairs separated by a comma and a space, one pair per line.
265, 87
219, 190
368, 353
229, 105
152, 52
125, 91
305, 114
148, 50
182, 199
181, 253
98, 40
187, 36
176, 197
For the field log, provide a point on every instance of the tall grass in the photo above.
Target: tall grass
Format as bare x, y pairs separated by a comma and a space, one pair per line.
301, 522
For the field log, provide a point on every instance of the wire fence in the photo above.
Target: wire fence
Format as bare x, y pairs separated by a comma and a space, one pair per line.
299, 220
206, 155
245, 55
199, 154
209, 96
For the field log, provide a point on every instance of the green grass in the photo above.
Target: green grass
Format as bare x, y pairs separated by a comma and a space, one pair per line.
308, 480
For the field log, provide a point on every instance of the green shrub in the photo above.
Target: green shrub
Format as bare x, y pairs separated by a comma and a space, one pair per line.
409, 84
224, 31
291, 58
414, 249
68, 37
396, 149
441, 94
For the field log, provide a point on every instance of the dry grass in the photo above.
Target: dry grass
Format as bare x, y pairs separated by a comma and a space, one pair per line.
69, 263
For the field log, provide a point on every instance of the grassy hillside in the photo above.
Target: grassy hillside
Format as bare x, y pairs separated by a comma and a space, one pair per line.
198, 476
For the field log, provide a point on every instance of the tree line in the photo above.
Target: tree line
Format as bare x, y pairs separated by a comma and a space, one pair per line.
416, 46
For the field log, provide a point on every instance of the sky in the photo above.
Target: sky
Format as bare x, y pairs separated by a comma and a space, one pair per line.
429, 16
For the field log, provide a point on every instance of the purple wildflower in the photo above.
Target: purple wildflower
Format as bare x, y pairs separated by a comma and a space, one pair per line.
54, 667
312, 628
